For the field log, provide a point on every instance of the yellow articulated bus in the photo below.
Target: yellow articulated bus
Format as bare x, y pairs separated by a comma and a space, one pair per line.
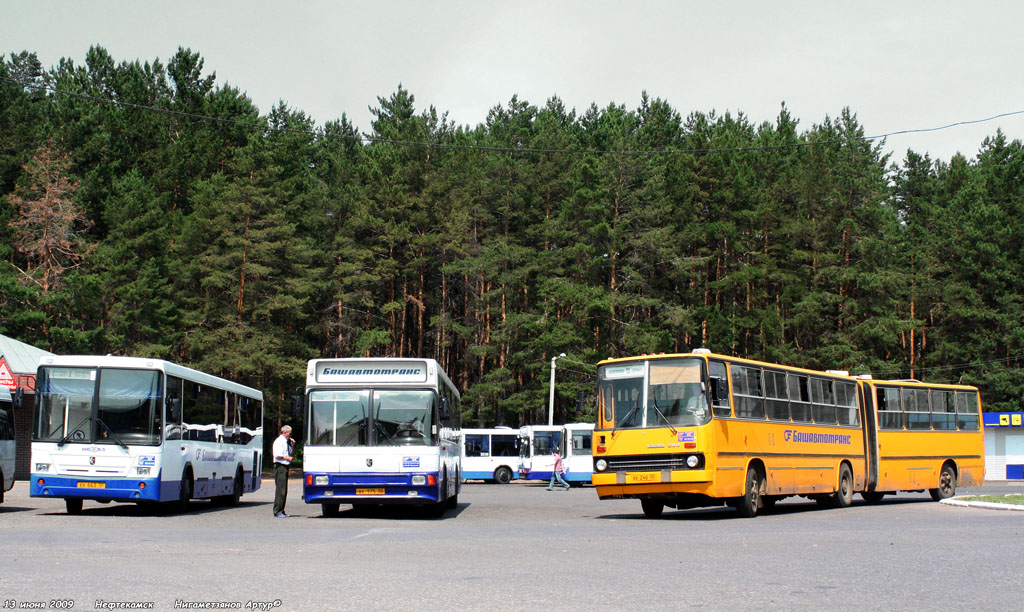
699, 429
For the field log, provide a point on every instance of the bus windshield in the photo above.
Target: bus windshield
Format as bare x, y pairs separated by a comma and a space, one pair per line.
125, 409
403, 418
674, 396
399, 418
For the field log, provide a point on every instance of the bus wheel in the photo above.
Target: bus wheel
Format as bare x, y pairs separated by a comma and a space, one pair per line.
2, 481
844, 496
503, 475
186, 493
652, 509
236, 490
872, 497
74, 506
330, 510
947, 484
751, 501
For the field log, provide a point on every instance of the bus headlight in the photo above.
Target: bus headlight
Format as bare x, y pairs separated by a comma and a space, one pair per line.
321, 480
42, 467
692, 461
600, 465
419, 480
142, 471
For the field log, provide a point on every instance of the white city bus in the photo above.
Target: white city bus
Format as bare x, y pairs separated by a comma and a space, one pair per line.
381, 431
7, 444
578, 457
142, 430
573, 441
490, 454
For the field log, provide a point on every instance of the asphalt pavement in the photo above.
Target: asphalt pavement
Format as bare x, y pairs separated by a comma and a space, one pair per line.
511, 547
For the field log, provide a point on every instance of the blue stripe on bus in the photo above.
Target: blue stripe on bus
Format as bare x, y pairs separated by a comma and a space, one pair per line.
113, 488
343, 486
478, 475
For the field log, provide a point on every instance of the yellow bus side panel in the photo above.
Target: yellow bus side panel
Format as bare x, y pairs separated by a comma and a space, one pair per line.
911, 460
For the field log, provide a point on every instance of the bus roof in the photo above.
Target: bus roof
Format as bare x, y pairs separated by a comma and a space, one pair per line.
703, 353
145, 363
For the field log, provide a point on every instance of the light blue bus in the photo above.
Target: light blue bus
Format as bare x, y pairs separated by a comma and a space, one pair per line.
130, 429
379, 432
490, 454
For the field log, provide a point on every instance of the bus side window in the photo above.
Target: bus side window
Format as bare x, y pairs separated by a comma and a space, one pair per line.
720, 402
890, 413
799, 398
967, 410
823, 401
775, 391
846, 403
172, 426
748, 392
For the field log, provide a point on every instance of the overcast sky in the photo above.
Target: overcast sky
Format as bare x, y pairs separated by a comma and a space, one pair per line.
897, 65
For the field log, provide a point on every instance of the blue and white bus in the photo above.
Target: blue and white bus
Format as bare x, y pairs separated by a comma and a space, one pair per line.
381, 431
7, 443
132, 429
573, 441
490, 454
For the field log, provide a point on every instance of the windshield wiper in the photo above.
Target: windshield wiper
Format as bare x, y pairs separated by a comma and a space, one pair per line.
354, 433
663, 417
380, 429
72, 431
111, 432
630, 413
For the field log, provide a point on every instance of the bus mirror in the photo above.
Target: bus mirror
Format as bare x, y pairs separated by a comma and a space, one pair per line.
579, 403
719, 389
445, 409
296, 405
19, 397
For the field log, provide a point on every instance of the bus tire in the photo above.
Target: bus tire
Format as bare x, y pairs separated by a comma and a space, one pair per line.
74, 506
843, 496
947, 484
750, 503
3, 484
503, 475
330, 510
186, 492
236, 490
652, 508
872, 497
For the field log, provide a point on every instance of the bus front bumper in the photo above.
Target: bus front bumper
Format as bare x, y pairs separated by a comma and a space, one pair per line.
395, 488
118, 489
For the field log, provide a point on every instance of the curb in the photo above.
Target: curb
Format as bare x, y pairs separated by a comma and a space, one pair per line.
979, 504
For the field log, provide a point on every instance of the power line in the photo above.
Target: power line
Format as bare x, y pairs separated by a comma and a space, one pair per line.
367, 139
956, 366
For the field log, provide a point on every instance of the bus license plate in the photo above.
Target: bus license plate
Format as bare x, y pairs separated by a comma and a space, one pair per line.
644, 477
369, 491
92, 485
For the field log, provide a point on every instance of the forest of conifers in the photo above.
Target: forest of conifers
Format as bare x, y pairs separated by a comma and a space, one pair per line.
148, 209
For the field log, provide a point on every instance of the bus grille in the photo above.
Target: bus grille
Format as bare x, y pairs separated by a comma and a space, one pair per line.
651, 463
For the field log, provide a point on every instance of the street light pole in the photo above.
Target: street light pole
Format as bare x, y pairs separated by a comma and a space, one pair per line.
551, 396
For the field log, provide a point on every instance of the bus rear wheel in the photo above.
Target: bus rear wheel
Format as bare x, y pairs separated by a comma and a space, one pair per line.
872, 497
947, 484
503, 475
74, 506
750, 503
843, 497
